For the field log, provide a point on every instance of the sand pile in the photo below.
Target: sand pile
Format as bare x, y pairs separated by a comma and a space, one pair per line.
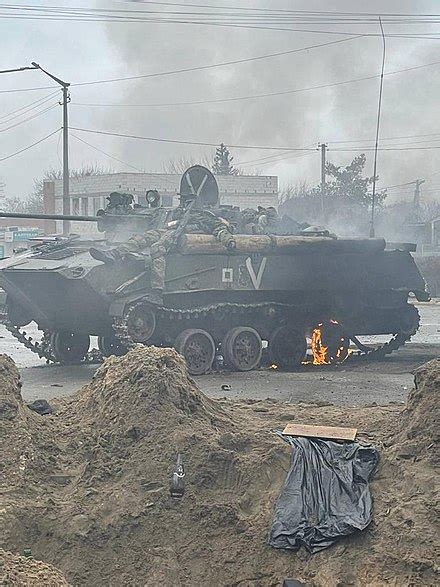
419, 430
101, 511
18, 571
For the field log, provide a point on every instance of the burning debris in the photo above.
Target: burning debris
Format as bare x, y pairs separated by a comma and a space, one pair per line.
329, 344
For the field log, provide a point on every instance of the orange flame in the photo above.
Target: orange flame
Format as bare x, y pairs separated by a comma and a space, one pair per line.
319, 351
273, 366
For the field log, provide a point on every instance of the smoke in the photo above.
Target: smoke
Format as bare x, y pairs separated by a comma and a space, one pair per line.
346, 112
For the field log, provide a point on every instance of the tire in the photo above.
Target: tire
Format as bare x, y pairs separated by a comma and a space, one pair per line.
141, 323
330, 344
110, 345
197, 348
287, 348
69, 347
242, 348
17, 315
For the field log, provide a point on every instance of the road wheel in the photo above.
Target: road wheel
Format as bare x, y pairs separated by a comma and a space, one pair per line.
287, 348
198, 349
141, 323
69, 347
242, 348
17, 315
409, 320
110, 345
330, 344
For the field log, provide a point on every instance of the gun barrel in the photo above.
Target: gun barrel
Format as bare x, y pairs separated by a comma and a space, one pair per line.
50, 217
70, 217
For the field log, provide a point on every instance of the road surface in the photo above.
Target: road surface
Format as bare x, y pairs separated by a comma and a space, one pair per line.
356, 382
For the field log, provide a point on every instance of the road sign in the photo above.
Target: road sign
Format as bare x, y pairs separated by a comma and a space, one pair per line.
24, 235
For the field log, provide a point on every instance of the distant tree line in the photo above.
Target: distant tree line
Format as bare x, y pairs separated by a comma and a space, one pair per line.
34, 203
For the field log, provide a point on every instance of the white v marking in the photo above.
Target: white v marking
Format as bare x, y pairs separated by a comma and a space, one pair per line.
256, 279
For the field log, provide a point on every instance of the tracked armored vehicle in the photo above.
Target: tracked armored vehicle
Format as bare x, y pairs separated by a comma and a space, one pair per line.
279, 288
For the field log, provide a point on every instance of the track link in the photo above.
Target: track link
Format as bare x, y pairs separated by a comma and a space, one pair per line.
43, 348
120, 324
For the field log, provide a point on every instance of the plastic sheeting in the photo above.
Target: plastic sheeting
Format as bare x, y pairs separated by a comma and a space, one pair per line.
325, 494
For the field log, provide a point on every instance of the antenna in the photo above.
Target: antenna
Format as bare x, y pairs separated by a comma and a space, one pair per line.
373, 201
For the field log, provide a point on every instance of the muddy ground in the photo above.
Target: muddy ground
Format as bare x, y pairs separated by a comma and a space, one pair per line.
86, 488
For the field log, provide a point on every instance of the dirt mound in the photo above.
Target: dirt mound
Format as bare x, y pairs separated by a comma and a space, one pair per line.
419, 433
429, 267
17, 571
100, 508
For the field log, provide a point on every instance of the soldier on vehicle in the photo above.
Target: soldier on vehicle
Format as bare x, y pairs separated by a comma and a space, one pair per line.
153, 245
255, 221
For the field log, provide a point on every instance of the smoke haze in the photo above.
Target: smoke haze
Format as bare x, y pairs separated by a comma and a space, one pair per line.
343, 113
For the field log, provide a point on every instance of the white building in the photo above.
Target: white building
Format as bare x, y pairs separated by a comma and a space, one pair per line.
88, 193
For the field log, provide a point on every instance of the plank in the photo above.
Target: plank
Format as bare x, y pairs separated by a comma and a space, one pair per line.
328, 432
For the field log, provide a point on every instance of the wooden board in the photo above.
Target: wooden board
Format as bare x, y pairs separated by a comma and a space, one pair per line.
328, 432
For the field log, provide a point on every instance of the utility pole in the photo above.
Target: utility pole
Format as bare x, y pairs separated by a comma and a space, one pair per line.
66, 100
418, 183
323, 147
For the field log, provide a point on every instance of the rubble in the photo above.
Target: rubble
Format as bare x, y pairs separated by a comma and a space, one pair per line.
87, 487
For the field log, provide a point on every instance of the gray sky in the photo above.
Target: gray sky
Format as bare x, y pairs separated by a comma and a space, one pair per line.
88, 51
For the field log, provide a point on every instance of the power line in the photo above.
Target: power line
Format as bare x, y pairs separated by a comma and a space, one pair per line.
267, 95
273, 158
30, 117
28, 107
185, 142
262, 148
420, 36
190, 69
435, 134
284, 10
222, 64
173, 17
30, 146
214, 65
387, 149
106, 154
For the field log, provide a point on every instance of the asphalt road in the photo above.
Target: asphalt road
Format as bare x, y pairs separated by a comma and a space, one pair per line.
356, 382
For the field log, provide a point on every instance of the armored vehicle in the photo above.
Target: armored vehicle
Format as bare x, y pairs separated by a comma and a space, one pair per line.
273, 291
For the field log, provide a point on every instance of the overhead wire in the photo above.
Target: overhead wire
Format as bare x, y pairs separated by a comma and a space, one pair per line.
30, 146
30, 117
257, 147
104, 153
257, 96
189, 69
28, 107
79, 14
215, 65
187, 142
281, 10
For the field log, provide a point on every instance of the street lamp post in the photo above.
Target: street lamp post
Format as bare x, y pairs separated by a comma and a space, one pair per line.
66, 100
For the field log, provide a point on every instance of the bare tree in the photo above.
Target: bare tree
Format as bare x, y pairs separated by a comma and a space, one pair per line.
178, 166
34, 203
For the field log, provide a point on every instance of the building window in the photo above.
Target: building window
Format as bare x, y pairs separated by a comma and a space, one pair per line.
75, 206
96, 205
84, 206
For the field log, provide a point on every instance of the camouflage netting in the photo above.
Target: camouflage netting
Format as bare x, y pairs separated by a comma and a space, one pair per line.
87, 487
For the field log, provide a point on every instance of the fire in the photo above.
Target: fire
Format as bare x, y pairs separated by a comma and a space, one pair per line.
319, 351
334, 350
273, 366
